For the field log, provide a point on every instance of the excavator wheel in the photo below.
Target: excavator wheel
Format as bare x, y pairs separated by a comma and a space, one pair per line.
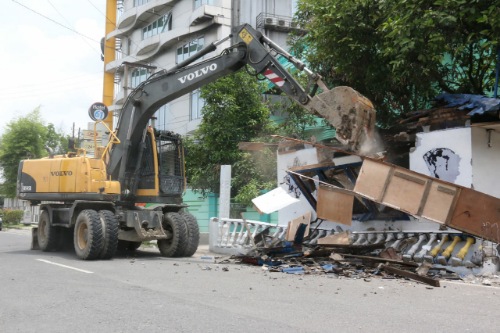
48, 236
193, 234
88, 235
176, 242
110, 230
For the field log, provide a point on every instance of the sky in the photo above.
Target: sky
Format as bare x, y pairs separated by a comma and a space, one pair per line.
50, 57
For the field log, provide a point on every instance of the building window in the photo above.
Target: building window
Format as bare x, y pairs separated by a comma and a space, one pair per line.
163, 117
138, 75
138, 3
197, 104
162, 24
188, 49
198, 3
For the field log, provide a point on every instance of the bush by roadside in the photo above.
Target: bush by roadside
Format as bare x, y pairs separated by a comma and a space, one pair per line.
10, 217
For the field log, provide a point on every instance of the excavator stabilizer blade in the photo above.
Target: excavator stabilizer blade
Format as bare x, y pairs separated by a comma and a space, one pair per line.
351, 113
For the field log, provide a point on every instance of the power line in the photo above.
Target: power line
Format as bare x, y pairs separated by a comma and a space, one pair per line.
103, 14
133, 42
58, 12
54, 21
71, 29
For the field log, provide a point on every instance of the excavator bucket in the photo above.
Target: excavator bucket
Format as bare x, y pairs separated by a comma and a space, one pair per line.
351, 113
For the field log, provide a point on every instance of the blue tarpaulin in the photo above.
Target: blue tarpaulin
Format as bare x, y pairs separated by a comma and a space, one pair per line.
476, 103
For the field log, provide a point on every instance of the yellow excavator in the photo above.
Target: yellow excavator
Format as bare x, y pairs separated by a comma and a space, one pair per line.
99, 200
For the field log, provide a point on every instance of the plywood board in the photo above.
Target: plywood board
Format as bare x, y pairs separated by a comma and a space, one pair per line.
371, 180
458, 207
294, 225
478, 214
334, 205
404, 191
439, 201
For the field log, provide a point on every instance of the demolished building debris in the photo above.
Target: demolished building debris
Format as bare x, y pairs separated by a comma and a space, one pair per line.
430, 212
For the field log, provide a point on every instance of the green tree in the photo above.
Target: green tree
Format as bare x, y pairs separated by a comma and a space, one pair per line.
233, 113
401, 54
25, 137
56, 140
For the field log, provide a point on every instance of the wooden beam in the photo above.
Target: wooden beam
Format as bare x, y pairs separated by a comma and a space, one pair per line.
410, 275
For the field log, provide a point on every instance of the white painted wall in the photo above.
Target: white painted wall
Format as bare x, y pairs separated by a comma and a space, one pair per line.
485, 161
285, 162
444, 154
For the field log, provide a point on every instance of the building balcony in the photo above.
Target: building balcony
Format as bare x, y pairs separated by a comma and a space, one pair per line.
148, 45
120, 97
133, 17
210, 13
154, 45
277, 22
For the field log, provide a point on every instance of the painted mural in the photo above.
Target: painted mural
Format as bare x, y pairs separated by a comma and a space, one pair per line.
443, 163
444, 154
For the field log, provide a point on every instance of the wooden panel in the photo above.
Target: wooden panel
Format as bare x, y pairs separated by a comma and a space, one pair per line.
294, 225
468, 211
478, 214
405, 191
439, 202
334, 205
372, 178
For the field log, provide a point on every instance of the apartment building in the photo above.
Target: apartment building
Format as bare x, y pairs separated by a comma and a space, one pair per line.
152, 35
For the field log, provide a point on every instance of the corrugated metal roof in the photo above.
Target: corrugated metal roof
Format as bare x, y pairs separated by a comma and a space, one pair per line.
478, 104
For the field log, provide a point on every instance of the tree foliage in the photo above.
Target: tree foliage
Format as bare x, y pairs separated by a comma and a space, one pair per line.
24, 138
401, 54
233, 113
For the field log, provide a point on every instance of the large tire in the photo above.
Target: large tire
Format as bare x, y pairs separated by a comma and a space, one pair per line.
193, 234
110, 227
88, 235
175, 228
48, 235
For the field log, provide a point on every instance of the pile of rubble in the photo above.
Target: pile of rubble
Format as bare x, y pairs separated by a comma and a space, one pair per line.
345, 254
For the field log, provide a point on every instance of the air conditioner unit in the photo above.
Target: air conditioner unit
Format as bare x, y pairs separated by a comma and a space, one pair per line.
269, 21
281, 23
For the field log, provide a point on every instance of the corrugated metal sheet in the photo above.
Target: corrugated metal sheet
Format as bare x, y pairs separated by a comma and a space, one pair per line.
476, 103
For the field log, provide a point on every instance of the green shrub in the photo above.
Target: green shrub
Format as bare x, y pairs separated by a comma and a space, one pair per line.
10, 216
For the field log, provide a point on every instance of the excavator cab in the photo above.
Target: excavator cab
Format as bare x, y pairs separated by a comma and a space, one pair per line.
171, 162
162, 169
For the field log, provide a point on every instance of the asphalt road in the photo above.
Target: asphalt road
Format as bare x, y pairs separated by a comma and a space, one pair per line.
56, 292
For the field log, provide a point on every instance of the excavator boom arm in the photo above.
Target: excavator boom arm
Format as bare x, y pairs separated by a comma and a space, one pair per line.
262, 55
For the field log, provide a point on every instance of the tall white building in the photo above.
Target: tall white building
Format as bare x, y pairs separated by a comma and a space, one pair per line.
153, 35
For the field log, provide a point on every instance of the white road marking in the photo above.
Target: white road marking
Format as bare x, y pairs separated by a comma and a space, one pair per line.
61, 265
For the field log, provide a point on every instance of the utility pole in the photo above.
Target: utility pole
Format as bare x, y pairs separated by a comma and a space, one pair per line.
109, 56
